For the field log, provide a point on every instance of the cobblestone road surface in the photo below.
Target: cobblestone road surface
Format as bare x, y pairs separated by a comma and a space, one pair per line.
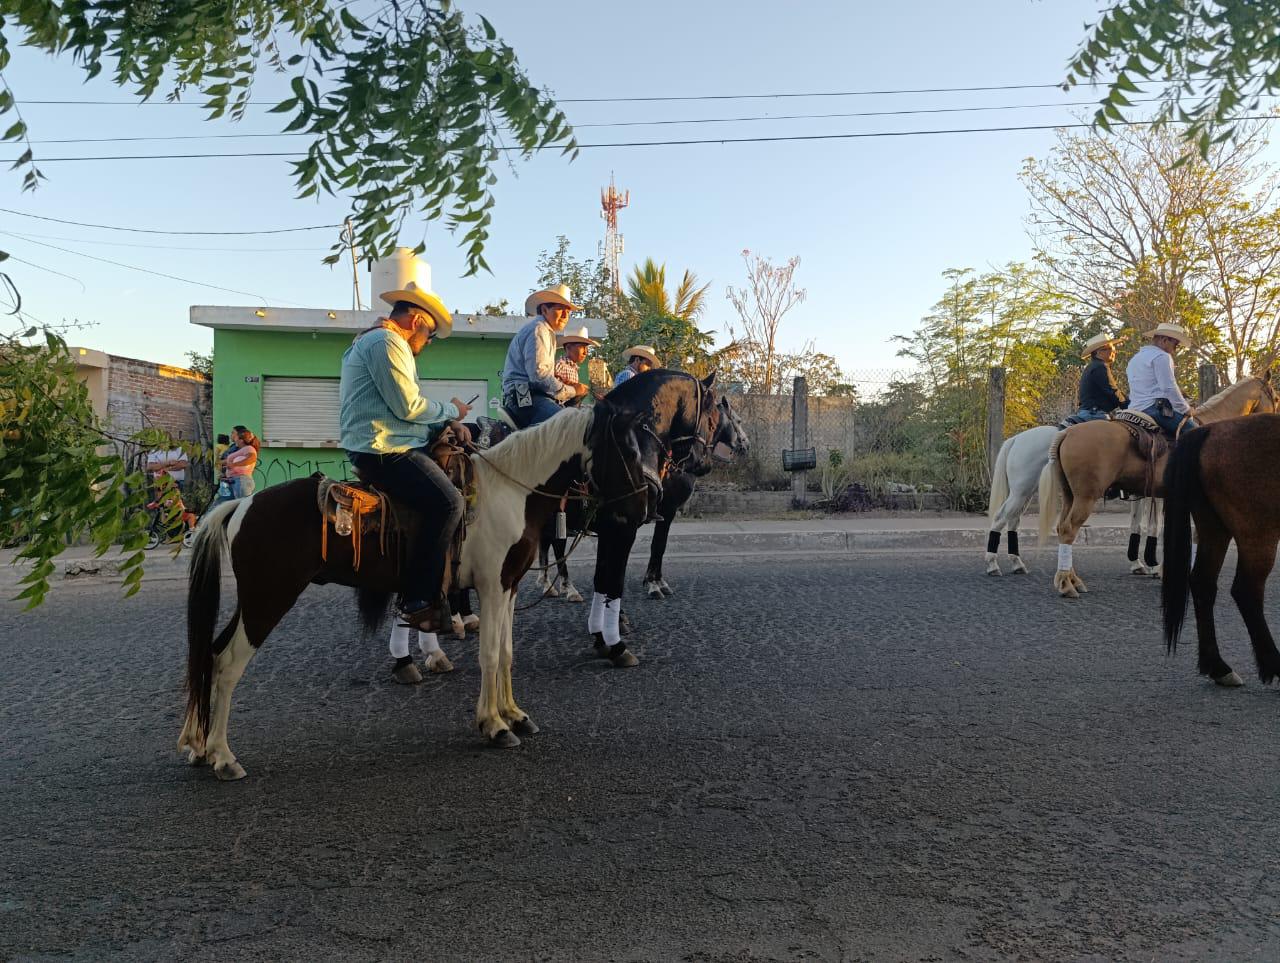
887, 757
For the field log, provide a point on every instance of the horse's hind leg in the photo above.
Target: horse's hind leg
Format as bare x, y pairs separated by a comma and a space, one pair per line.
1155, 506
515, 717
1015, 554
1136, 566
1075, 512
1204, 592
571, 593
1257, 556
228, 667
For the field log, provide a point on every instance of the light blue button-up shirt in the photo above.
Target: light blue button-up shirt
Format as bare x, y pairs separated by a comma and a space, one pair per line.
1151, 375
531, 360
380, 407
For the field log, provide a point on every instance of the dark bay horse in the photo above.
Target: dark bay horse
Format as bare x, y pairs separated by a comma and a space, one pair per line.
274, 540
1225, 477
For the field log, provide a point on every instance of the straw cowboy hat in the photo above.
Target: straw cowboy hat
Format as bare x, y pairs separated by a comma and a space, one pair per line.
559, 294
1099, 341
1166, 330
428, 302
580, 338
642, 351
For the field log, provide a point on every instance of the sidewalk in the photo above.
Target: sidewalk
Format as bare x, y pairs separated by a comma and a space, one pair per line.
835, 535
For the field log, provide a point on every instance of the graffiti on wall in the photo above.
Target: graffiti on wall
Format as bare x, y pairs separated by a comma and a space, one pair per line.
273, 471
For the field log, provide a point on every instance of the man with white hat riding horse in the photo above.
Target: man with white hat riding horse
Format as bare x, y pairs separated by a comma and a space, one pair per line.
387, 427
531, 392
1153, 386
639, 359
1099, 393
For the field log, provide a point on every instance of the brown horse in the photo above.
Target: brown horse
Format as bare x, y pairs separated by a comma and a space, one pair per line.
274, 539
1086, 460
1223, 476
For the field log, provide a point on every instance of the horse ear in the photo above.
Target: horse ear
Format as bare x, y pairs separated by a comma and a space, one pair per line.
1266, 377
709, 380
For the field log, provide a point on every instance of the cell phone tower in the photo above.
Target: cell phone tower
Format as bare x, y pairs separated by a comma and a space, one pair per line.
612, 201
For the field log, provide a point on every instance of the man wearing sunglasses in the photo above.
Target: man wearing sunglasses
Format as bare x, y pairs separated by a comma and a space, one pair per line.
531, 392
387, 427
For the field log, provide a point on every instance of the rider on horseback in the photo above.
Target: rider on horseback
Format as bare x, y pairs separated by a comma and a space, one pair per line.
531, 392
639, 359
575, 348
387, 427
1153, 384
1099, 393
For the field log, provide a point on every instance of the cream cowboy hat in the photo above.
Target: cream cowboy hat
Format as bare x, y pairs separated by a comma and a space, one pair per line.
1099, 341
1167, 330
580, 338
642, 351
428, 302
559, 294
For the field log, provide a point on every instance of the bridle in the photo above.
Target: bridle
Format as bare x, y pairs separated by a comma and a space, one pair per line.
670, 462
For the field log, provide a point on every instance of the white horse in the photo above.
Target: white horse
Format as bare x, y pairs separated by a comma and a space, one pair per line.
1015, 479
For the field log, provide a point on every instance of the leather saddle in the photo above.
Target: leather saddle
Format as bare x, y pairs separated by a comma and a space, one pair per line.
363, 512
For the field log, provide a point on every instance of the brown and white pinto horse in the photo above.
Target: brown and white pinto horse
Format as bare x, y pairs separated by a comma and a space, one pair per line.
1086, 460
274, 541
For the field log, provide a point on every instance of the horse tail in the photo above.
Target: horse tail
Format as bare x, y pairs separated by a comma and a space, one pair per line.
999, 482
372, 604
1052, 484
1183, 491
203, 585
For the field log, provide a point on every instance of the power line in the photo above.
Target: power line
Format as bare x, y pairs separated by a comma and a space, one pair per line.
146, 230
633, 123
179, 247
648, 143
134, 267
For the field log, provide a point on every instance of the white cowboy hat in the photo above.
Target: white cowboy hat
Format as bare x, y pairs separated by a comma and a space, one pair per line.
642, 351
1099, 341
1167, 330
580, 338
559, 294
428, 302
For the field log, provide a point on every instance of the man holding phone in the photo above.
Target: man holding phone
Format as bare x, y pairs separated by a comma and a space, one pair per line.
387, 428
531, 392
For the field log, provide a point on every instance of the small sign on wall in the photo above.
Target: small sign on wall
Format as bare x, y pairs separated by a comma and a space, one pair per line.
252, 379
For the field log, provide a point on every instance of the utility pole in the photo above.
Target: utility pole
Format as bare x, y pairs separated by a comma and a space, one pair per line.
349, 235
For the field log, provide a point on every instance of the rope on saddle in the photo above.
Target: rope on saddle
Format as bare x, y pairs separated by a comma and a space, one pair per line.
336, 498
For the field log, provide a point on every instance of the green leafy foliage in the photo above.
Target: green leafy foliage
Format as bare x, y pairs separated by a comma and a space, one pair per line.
1213, 61
409, 112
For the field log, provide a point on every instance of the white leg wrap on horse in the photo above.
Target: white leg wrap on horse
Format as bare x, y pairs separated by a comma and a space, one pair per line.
1064, 558
428, 642
595, 620
399, 640
612, 609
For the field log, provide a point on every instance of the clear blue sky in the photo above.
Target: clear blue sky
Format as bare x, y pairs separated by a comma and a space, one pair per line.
874, 221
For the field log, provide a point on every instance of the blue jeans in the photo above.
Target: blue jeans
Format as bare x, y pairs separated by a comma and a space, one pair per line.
541, 410
1091, 414
242, 486
413, 477
1170, 423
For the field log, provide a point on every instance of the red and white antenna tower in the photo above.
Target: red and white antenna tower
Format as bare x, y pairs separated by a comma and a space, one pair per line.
612, 201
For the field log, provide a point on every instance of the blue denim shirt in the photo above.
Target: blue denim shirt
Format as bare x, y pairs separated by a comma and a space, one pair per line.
531, 360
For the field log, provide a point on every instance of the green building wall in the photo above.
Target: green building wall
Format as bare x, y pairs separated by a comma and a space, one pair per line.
241, 359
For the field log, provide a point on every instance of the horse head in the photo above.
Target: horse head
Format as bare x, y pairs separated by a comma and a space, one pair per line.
1268, 402
626, 463
729, 440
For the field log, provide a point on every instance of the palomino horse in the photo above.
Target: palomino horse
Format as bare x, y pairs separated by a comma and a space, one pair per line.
1014, 480
1223, 476
274, 538
1086, 460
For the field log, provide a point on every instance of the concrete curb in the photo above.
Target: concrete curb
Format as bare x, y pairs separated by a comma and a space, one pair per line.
162, 566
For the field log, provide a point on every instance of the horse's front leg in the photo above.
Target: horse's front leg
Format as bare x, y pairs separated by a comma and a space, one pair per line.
606, 605
495, 627
1155, 511
516, 717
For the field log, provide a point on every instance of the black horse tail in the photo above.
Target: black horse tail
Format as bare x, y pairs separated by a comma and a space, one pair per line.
1183, 492
372, 604
203, 586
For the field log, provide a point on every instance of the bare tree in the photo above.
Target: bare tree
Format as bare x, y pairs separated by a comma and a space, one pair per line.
1131, 229
761, 305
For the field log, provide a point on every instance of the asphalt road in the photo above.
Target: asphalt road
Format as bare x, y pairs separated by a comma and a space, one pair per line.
888, 757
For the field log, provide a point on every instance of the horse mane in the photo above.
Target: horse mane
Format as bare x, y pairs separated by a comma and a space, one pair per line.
1210, 403
519, 452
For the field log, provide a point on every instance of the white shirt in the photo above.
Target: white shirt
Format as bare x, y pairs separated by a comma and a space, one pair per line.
157, 458
1151, 377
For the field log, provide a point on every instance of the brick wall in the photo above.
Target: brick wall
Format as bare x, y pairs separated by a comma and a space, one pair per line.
143, 394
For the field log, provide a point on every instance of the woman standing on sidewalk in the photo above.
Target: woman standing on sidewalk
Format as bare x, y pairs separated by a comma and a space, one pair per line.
241, 462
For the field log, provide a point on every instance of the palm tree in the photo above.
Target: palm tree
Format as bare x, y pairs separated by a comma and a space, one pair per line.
647, 288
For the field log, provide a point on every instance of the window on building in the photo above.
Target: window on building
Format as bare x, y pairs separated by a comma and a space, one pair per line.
303, 412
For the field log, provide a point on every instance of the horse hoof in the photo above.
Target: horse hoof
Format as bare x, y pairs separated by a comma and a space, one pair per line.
994, 569
624, 660
196, 760
406, 674
438, 662
655, 594
504, 739
571, 594
1019, 568
459, 629
470, 622
1230, 680
230, 772
525, 727
1137, 568
624, 624
666, 590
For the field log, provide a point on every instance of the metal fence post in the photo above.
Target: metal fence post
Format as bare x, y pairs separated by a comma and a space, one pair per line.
1208, 381
995, 416
799, 438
